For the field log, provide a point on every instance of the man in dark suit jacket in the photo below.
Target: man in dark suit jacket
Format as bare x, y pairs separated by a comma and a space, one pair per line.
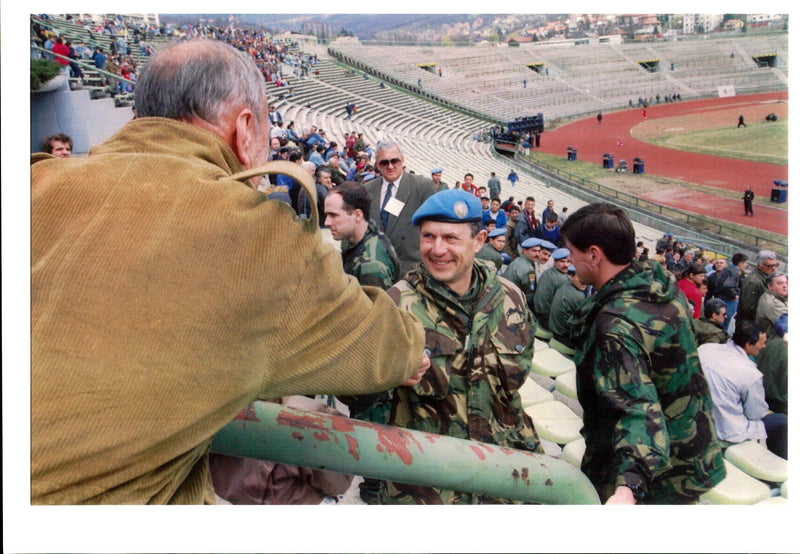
392, 212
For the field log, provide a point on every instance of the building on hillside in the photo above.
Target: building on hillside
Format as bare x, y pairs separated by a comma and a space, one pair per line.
701, 23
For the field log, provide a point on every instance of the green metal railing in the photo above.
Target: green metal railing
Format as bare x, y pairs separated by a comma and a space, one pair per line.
267, 431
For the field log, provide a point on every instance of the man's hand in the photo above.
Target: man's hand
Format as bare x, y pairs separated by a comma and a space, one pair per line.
622, 495
423, 367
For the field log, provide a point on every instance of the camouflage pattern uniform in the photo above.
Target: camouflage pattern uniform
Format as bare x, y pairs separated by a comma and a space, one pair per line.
480, 351
647, 406
373, 260
511, 241
522, 272
706, 330
550, 281
566, 302
754, 285
491, 256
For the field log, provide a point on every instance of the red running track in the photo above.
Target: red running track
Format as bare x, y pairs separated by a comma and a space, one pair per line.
593, 140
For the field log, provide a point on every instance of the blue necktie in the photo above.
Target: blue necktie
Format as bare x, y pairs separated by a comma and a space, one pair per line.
384, 213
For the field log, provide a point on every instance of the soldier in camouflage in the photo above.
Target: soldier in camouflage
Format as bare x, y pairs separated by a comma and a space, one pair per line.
367, 254
709, 328
479, 335
551, 280
649, 430
522, 271
491, 251
566, 302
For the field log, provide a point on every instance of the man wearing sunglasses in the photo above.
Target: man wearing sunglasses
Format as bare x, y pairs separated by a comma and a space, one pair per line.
755, 284
395, 197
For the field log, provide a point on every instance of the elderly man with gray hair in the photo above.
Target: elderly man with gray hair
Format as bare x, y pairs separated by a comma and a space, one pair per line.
395, 197
168, 299
755, 284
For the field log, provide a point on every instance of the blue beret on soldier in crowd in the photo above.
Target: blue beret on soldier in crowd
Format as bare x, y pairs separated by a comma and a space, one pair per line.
435, 171
547, 245
560, 253
531, 242
571, 269
449, 206
499, 232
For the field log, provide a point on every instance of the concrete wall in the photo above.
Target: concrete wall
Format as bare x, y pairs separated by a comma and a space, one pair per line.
88, 122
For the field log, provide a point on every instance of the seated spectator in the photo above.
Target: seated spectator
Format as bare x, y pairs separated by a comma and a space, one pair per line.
773, 363
739, 403
773, 303
709, 328
59, 145
690, 285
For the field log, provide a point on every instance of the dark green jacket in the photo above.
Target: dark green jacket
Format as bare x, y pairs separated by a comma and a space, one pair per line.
647, 407
706, 330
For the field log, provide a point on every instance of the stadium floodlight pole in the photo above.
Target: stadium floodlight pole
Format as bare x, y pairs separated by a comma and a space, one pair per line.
268, 431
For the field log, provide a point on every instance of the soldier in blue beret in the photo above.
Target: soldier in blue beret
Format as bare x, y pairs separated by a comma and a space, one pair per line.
436, 177
545, 262
491, 251
479, 332
548, 283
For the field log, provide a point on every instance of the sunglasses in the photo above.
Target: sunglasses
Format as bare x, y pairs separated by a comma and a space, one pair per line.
393, 161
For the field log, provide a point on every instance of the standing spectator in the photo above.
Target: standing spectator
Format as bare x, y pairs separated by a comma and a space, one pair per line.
469, 185
728, 285
748, 197
690, 285
513, 177
436, 177
648, 426
755, 284
60, 48
741, 121
494, 186
93, 438
395, 197
494, 212
527, 223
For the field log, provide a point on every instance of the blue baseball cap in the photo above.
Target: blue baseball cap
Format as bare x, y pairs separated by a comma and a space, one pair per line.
449, 206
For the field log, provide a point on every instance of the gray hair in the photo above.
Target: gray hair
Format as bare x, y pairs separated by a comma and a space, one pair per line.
712, 306
199, 79
386, 145
765, 255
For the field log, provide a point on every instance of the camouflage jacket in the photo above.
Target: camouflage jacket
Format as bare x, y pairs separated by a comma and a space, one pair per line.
373, 260
491, 256
546, 287
566, 302
522, 272
706, 330
481, 352
647, 406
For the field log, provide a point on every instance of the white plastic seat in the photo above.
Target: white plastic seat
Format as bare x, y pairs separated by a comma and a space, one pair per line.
555, 422
551, 363
573, 452
533, 393
737, 488
539, 345
566, 384
755, 460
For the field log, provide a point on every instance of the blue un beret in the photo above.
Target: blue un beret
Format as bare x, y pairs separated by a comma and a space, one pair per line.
561, 253
499, 232
531, 242
547, 245
436, 170
449, 206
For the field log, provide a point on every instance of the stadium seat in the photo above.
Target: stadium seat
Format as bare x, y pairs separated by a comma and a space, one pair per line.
785, 489
551, 363
555, 422
774, 500
565, 384
533, 393
755, 460
573, 451
736, 488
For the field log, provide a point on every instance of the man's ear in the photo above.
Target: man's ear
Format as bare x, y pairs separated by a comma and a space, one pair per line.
480, 239
244, 137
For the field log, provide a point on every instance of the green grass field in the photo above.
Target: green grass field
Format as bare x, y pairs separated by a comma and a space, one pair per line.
760, 141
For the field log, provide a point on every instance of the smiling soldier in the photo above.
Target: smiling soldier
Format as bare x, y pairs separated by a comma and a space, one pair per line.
478, 330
